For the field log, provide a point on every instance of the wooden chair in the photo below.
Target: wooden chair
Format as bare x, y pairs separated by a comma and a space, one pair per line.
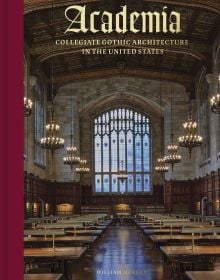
52, 266
175, 269
28, 265
173, 243
203, 242
186, 265
180, 266
46, 265
39, 271
68, 269
205, 263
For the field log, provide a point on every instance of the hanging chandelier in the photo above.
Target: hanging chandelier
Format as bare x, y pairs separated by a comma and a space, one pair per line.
27, 106
122, 173
172, 157
71, 159
82, 169
161, 167
52, 141
190, 140
215, 104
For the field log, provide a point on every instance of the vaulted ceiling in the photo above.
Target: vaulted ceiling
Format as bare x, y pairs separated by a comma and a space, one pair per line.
200, 20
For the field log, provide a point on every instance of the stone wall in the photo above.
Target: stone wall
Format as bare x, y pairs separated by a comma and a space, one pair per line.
90, 98
93, 97
208, 161
30, 165
63, 103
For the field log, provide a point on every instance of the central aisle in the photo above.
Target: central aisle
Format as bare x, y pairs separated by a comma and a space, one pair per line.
121, 254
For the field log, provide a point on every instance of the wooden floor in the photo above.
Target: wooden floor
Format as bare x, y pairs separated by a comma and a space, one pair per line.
121, 250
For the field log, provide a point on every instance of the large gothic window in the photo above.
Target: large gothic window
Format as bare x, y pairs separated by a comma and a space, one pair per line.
122, 135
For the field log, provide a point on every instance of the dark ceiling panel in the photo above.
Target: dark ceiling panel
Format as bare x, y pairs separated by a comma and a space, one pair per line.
42, 28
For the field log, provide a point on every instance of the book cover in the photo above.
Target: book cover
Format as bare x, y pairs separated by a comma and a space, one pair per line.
121, 121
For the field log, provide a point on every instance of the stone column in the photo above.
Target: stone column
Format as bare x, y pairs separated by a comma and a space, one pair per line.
210, 80
212, 119
76, 132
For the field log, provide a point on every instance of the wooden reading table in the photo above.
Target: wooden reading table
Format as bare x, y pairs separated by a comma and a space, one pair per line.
47, 276
166, 238
59, 252
85, 232
61, 239
62, 254
199, 275
179, 251
202, 230
44, 232
161, 231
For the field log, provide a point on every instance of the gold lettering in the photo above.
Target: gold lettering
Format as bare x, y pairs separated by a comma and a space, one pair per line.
123, 16
174, 25
133, 18
92, 21
164, 15
107, 25
150, 22
78, 19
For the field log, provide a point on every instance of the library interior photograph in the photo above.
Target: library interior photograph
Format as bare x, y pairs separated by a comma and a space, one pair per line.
121, 139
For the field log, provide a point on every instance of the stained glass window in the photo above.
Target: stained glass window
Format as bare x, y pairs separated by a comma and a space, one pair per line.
122, 135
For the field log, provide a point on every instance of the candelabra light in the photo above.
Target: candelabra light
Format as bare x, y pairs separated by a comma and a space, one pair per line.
52, 141
215, 104
161, 167
172, 158
71, 159
190, 140
27, 106
122, 173
82, 169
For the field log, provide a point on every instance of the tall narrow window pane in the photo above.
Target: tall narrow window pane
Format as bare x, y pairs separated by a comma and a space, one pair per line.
39, 124
146, 152
106, 183
114, 183
122, 186
105, 153
122, 146
138, 153
139, 183
146, 182
98, 184
130, 152
114, 152
98, 153
25, 119
130, 183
